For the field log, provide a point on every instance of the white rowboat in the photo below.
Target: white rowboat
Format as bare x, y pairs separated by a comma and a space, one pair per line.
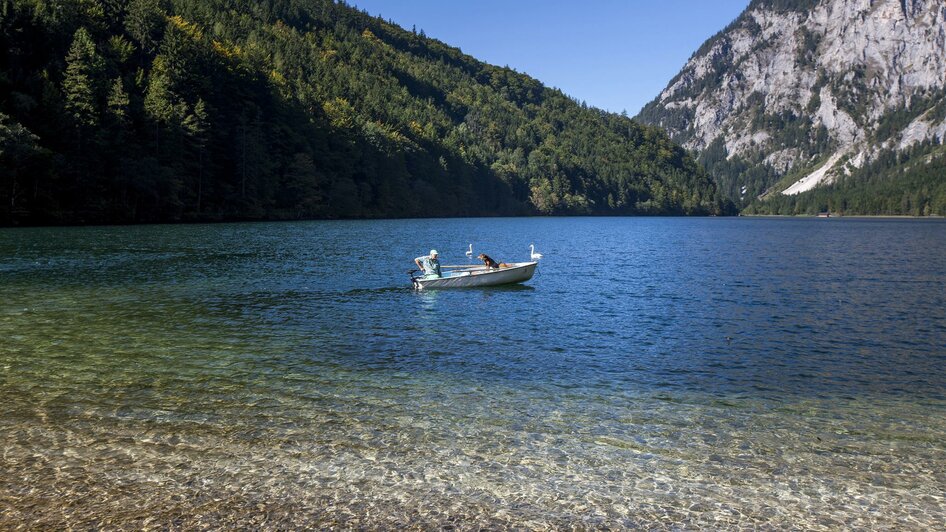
516, 272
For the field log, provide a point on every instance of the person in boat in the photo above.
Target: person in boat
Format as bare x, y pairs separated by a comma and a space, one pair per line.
429, 264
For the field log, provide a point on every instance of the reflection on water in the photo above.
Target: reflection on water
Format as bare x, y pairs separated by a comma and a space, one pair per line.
659, 373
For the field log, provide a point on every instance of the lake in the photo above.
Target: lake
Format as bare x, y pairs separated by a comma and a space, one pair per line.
656, 372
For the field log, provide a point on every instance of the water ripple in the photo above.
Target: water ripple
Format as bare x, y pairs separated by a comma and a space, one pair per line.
658, 373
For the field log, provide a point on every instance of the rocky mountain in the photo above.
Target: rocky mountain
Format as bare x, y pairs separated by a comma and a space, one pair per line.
838, 95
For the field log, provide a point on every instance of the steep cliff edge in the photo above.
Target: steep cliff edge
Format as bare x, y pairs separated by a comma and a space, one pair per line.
794, 95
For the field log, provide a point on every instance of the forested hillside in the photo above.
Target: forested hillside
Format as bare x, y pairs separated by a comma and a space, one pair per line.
154, 110
909, 183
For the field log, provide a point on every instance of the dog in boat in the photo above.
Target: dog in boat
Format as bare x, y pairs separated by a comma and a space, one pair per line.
490, 263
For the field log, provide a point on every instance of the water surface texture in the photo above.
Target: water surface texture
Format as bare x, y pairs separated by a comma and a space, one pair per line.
665, 373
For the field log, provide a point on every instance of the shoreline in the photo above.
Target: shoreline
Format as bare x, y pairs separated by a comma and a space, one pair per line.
283, 220
855, 216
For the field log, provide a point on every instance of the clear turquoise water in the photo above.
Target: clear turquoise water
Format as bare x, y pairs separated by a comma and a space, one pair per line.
665, 373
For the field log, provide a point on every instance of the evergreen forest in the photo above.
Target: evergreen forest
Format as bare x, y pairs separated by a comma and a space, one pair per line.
902, 183
203, 110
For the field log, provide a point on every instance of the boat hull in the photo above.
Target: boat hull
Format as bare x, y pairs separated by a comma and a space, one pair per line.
518, 272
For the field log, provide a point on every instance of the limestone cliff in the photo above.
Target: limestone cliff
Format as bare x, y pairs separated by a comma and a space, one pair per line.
793, 94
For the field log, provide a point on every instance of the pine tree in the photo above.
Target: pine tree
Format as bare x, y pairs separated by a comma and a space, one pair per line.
309, 118
117, 104
80, 84
196, 126
17, 146
144, 22
159, 100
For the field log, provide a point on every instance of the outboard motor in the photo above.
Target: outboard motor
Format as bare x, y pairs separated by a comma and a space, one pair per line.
414, 279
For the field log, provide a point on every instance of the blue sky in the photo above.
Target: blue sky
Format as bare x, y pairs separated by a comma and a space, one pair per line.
613, 54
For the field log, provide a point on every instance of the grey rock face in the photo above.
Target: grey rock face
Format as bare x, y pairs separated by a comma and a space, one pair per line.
767, 84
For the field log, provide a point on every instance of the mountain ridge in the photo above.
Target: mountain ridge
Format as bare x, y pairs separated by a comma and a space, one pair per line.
153, 110
816, 89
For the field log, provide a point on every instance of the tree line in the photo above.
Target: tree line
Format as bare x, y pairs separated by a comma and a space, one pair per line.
155, 110
910, 182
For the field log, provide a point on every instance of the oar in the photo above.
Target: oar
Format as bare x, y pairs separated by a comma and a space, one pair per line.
465, 267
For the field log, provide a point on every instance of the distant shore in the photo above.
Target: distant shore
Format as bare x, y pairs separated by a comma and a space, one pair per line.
213, 221
933, 216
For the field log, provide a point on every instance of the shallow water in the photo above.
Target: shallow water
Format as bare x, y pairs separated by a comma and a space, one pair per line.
666, 373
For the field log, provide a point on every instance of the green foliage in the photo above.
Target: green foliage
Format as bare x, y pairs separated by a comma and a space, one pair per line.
738, 178
159, 100
81, 83
853, 85
144, 22
782, 6
745, 177
20, 157
894, 183
894, 121
120, 49
236, 109
118, 103
807, 51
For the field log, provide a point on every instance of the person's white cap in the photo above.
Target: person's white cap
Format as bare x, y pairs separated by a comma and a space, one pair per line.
433, 252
